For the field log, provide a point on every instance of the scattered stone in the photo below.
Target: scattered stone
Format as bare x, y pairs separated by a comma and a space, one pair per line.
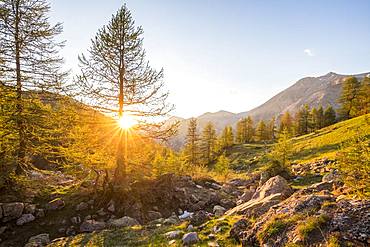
82, 206
190, 238
172, 242
90, 202
71, 231
92, 225
199, 218
38, 240
213, 244
331, 177
238, 228
62, 230
190, 228
56, 204
101, 212
123, 222
12, 210
185, 215
25, 218
153, 215
218, 210
211, 236
173, 234
246, 196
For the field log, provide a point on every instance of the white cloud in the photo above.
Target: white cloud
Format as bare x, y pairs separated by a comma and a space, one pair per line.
308, 52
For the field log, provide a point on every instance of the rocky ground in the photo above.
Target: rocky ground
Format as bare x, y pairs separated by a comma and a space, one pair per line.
175, 211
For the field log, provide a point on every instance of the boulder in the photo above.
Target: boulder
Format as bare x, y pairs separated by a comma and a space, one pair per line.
92, 225
331, 177
25, 218
56, 204
12, 210
111, 208
256, 207
238, 228
82, 206
272, 186
38, 240
153, 215
218, 210
246, 196
199, 218
173, 234
123, 222
185, 215
190, 238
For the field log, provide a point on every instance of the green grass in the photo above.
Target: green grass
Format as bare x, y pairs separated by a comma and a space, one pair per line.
306, 227
327, 141
152, 236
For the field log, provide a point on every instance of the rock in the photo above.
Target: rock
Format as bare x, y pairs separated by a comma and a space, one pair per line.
218, 210
190, 238
213, 244
92, 225
76, 220
123, 222
25, 218
1, 210
82, 206
91, 202
29, 208
272, 186
56, 204
322, 186
153, 215
172, 242
238, 227
226, 203
40, 213
71, 231
214, 186
246, 196
331, 177
173, 234
38, 240
12, 210
101, 212
199, 218
185, 215
62, 230
190, 228
111, 208
256, 207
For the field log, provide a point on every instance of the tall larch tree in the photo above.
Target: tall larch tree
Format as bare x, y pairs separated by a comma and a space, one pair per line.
192, 151
30, 63
261, 131
227, 137
303, 120
348, 98
364, 97
208, 141
271, 128
117, 79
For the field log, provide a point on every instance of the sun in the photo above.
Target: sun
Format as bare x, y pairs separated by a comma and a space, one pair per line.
126, 121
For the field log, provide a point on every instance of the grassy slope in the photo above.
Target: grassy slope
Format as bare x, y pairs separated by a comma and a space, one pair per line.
327, 141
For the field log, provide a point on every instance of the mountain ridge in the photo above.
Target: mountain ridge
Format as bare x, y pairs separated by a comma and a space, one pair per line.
322, 90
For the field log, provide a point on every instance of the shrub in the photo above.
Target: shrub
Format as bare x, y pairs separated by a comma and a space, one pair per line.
354, 165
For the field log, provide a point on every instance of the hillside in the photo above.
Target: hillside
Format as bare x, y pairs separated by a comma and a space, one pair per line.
314, 91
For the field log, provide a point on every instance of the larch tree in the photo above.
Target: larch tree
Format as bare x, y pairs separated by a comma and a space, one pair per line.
348, 98
30, 64
191, 150
261, 131
329, 116
286, 122
364, 97
208, 141
271, 129
227, 137
117, 80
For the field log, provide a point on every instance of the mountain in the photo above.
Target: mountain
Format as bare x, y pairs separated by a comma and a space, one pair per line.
314, 91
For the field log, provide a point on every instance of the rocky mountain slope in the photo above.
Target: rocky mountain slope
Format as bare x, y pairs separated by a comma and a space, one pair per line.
314, 91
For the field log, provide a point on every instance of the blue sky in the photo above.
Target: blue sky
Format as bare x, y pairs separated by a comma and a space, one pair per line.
231, 54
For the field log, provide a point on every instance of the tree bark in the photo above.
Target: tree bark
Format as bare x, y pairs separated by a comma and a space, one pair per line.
19, 105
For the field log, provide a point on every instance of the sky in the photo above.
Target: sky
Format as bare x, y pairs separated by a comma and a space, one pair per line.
230, 55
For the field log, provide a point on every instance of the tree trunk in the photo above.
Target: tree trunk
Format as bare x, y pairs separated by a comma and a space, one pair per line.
19, 105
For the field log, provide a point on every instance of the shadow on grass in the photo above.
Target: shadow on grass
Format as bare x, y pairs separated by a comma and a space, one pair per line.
316, 152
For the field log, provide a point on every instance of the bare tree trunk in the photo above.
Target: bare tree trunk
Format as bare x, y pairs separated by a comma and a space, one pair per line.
19, 106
